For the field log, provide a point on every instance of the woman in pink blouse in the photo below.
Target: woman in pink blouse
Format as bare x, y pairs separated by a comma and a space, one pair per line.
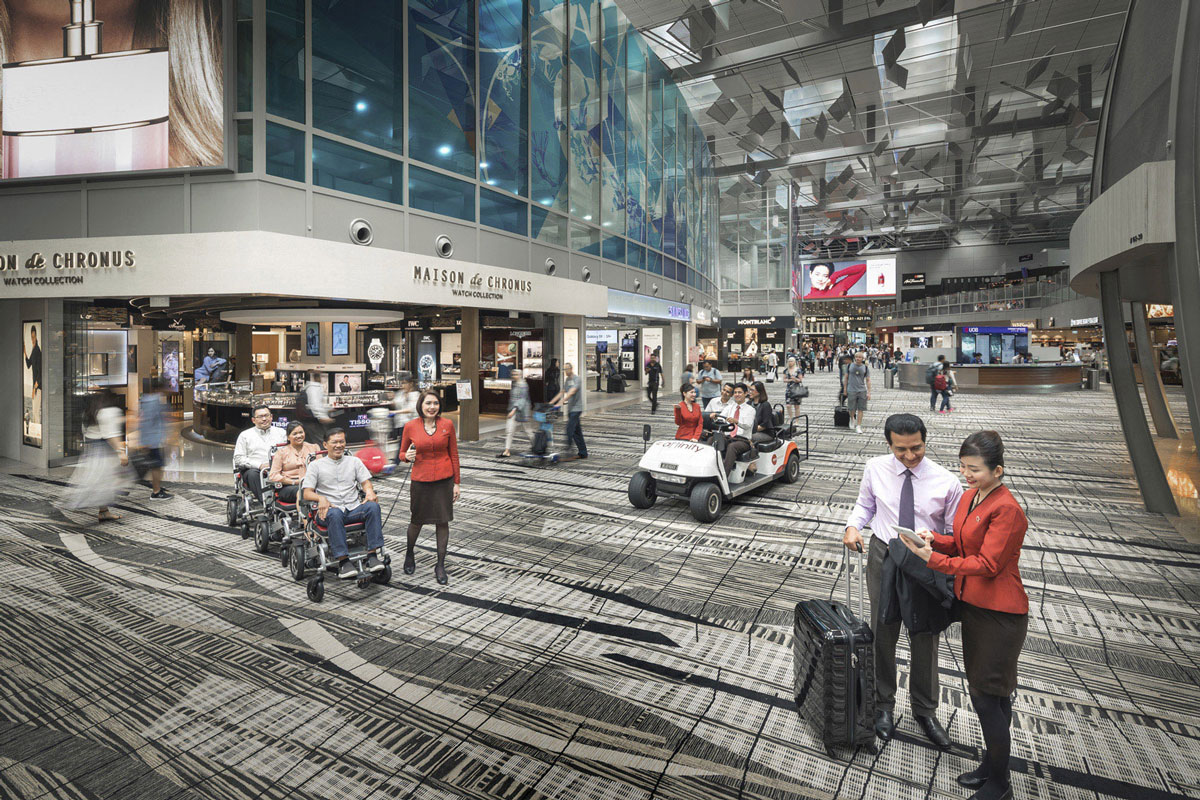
291, 462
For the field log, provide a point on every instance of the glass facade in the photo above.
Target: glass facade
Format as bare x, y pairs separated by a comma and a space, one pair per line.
552, 119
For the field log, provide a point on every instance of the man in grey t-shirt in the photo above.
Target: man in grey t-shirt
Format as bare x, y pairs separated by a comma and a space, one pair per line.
332, 483
572, 396
856, 383
709, 380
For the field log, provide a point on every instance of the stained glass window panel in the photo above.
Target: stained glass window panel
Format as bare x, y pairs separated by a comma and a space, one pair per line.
441, 84
549, 101
504, 102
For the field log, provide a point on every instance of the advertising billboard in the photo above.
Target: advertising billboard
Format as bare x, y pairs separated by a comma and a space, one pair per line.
31, 384
145, 92
839, 280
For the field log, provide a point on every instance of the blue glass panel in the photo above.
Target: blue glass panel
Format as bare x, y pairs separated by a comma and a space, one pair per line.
503, 211
548, 227
654, 161
358, 69
635, 255
441, 84
440, 194
585, 109
612, 133
669, 268
548, 98
654, 262
245, 55
670, 99
614, 248
285, 59
504, 104
585, 238
285, 152
245, 145
348, 169
635, 149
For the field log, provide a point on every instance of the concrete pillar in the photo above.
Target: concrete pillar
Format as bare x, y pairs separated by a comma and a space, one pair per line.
1152, 481
1184, 258
1160, 412
468, 410
243, 344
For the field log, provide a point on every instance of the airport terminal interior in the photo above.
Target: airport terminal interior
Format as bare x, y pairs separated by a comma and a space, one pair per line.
485, 399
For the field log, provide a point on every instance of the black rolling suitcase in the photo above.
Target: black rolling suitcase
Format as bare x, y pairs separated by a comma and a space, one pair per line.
834, 669
841, 417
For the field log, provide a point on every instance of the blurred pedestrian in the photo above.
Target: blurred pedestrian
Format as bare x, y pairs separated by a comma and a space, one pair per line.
101, 475
152, 435
520, 412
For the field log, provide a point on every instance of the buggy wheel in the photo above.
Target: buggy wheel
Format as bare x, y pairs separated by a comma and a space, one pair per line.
791, 473
262, 536
297, 561
316, 590
705, 502
643, 490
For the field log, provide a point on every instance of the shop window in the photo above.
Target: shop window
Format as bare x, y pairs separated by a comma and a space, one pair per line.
548, 227
614, 248
585, 238
441, 84
635, 255
441, 194
504, 101
358, 68
245, 55
285, 152
245, 145
548, 82
503, 211
285, 59
348, 169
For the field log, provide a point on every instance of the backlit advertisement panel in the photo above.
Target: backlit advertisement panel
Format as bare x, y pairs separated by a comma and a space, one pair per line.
145, 92
838, 280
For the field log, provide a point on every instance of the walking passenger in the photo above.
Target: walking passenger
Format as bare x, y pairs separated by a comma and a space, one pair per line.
430, 444
572, 396
654, 373
520, 412
710, 383
907, 489
100, 477
983, 552
152, 434
793, 377
856, 385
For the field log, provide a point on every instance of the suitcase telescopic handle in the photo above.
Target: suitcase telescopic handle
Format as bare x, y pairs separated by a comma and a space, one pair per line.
861, 579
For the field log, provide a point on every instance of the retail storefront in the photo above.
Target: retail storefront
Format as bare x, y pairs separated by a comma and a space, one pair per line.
635, 328
264, 359
745, 341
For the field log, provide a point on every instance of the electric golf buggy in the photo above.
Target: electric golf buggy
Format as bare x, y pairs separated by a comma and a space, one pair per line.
695, 471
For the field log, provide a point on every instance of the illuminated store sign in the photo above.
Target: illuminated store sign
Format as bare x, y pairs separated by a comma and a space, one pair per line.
1085, 321
1013, 329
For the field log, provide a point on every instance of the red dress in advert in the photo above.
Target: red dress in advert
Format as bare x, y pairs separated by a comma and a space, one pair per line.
840, 282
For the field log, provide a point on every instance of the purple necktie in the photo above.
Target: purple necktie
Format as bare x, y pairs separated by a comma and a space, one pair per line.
907, 512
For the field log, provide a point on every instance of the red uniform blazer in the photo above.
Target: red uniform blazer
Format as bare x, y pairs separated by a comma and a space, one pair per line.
437, 455
983, 552
691, 423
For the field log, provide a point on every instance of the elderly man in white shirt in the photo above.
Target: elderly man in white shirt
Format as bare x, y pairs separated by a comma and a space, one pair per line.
253, 448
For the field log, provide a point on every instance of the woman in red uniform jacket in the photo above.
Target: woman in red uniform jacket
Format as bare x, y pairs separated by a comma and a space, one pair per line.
688, 415
430, 444
982, 553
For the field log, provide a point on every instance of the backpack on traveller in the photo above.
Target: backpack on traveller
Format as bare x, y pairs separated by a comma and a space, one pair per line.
940, 383
932, 370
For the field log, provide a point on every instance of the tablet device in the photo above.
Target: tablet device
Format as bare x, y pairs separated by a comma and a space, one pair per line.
910, 534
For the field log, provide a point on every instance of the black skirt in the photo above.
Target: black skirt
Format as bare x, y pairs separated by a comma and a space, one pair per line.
431, 502
992, 642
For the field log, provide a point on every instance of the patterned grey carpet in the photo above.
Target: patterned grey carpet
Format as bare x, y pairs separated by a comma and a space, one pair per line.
583, 649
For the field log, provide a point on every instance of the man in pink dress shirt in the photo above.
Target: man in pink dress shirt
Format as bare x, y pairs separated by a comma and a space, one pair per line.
907, 489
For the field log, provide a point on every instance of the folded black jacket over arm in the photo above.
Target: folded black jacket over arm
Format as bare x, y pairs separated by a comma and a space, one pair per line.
912, 592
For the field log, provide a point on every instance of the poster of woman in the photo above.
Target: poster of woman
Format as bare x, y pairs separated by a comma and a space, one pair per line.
31, 383
312, 338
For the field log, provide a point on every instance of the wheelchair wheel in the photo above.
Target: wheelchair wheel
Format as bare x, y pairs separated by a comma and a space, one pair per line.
296, 562
363, 582
285, 554
245, 530
316, 590
383, 577
231, 509
262, 536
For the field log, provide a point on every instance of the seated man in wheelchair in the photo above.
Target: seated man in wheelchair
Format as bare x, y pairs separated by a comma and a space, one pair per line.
251, 454
332, 483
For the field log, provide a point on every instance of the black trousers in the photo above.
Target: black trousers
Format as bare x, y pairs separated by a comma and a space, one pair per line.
736, 448
253, 479
923, 648
652, 393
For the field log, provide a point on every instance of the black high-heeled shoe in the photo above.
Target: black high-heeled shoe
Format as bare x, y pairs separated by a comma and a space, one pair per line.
439, 572
410, 564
